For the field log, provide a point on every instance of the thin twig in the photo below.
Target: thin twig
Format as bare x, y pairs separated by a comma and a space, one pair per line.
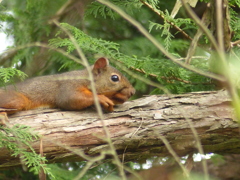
175, 156
169, 22
199, 145
235, 43
219, 24
193, 45
96, 101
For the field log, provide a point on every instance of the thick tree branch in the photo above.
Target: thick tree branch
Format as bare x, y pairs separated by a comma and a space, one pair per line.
136, 128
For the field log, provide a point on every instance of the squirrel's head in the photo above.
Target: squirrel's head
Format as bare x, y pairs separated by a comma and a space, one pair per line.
110, 82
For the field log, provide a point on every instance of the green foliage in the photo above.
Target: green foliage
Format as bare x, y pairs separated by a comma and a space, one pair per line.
101, 170
27, 23
7, 74
59, 173
218, 159
234, 2
165, 32
235, 23
17, 139
17, 172
86, 42
97, 8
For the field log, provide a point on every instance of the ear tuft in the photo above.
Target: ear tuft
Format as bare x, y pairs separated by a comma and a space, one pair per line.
101, 63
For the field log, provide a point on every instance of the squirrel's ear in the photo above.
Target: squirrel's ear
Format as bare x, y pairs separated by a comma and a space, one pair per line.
101, 63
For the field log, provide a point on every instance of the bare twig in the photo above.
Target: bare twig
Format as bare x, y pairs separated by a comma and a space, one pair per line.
193, 45
173, 153
62, 9
219, 24
96, 102
235, 43
162, 16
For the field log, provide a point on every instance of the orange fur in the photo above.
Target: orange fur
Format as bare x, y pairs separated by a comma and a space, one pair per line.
18, 102
14, 100
89, 100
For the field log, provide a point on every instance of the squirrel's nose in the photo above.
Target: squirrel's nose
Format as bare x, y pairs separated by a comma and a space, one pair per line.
131, 91
128, 91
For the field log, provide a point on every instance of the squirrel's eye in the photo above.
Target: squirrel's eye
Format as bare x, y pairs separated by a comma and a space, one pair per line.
115, 78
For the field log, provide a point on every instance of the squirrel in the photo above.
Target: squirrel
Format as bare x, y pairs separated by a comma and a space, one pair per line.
68, 91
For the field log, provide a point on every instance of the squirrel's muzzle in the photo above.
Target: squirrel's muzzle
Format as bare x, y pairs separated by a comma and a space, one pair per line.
123, 95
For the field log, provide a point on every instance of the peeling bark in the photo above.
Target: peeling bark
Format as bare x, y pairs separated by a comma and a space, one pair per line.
135, 127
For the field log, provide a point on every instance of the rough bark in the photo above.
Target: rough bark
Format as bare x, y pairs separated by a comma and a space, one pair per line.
135, 128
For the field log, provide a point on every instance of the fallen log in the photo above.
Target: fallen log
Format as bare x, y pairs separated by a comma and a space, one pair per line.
135, 128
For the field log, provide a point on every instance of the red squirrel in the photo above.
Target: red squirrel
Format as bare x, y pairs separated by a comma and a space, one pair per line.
68, 91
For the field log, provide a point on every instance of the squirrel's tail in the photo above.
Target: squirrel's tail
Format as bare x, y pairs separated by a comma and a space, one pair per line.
12, 101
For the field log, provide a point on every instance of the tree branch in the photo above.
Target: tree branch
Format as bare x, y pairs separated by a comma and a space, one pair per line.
135, 127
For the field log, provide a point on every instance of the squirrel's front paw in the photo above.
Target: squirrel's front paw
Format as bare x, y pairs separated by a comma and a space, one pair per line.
106, 103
